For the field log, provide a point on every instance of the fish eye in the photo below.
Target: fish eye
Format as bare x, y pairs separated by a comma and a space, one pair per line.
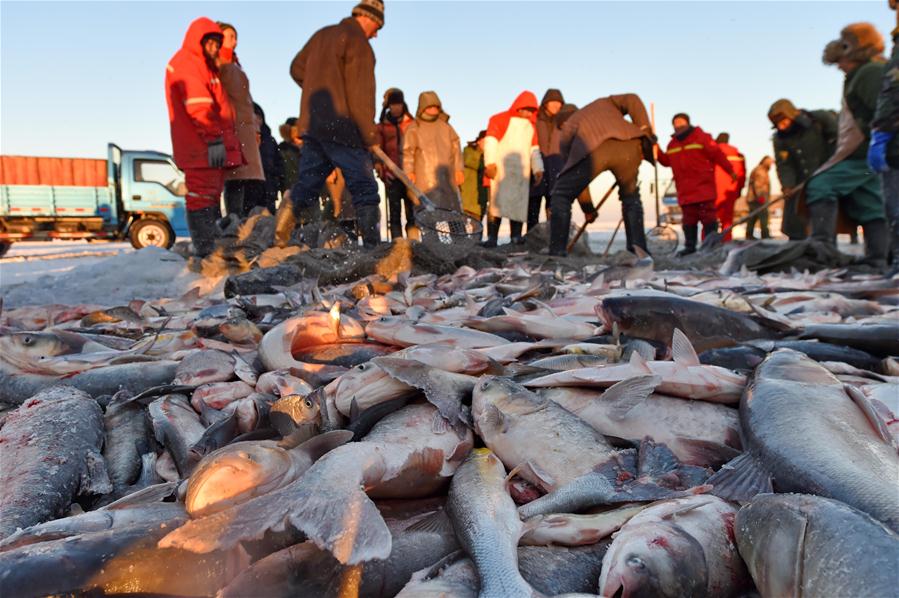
308, 403
27, 340
635, 562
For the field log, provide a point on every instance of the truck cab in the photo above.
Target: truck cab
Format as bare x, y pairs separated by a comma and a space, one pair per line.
134, 195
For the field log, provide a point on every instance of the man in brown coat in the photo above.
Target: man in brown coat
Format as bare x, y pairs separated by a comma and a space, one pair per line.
336, 70
595, 139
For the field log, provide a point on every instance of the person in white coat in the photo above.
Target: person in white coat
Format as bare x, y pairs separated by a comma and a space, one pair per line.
511, 153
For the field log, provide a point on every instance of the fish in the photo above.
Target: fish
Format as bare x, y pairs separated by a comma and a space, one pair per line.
821, 351
344, 354
205, 366
804, 545
561, 363
542, 325
487, 525
241, 331
445, 390
128, 438
413, 452
538, 439
803, 433
243, 470
177, 427
566, 529
278, 345
707, 326
881, 340
282, 383
679, 547
684, 377
697, 432
219, 394
51, 454
401, 332
296, 416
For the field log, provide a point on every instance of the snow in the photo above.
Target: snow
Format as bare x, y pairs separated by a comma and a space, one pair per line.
103, 274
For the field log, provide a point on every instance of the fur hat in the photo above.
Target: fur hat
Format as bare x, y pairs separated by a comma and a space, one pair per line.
782, 109
859, 42
373, 9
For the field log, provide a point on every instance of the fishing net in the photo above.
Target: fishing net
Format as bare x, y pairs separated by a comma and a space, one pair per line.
441, 228
661, 240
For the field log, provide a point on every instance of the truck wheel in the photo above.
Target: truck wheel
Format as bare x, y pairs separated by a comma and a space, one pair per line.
151, 233
4, 247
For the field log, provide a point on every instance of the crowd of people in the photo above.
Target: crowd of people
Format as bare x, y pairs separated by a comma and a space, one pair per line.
837, 171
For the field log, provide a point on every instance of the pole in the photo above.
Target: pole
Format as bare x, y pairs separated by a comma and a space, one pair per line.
583, 227
612, 240
655, 163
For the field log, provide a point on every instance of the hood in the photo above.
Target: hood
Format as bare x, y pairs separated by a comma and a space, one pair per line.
552, 95
564, 114
430, 98
198, 29
525, 99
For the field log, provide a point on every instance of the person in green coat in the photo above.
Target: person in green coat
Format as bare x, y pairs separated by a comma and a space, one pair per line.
474, 193
803, 141
846, 177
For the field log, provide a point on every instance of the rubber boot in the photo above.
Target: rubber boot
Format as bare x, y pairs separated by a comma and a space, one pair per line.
492, 232
559, 230
285, 223
709, 228
823, 218
234, 200
201, 224
632, 214
515, 232
877, 243
309, 221
368, 219
691, 232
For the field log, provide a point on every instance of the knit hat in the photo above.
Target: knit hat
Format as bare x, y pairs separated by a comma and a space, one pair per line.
373, 9
782, 109
394, 96
722, 138
859, 42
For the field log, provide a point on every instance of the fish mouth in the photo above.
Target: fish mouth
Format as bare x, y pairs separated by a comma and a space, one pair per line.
605, 318
615, 588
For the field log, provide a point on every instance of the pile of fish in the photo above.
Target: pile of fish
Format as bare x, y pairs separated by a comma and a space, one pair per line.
515, 431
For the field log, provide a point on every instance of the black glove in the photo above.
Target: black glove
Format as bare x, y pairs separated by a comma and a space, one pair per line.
215, 151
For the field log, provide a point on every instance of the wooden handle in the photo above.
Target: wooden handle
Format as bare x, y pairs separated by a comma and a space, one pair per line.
580, 231
419, 199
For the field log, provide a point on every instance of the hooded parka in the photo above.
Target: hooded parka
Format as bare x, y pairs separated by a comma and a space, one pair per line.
237, 85
199, 109
432, 152
511, 144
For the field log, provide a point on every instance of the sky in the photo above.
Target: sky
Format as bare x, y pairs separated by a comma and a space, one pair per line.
76, 75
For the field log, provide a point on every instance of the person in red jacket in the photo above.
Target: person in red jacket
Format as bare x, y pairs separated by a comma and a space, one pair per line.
204, 142
395, 119
728, 190
692, 154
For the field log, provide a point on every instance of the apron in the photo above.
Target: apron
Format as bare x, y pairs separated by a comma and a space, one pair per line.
510, 189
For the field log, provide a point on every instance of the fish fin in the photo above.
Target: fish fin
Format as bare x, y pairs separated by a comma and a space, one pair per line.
627, 394
215, 437
646, 351
495, 418
445, 390
741, 479
640, 253
318, 446
150, 494
656, 462
533, 473
707, 452
639, 363
870, 412
436, 522
682, 350
599, 282
354, 410
771, 319
94, 477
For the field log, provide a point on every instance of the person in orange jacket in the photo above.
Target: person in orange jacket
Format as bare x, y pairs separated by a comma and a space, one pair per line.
204, 142
727, 188
692, 154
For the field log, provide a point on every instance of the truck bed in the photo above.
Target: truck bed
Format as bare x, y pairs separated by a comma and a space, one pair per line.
61, 172
30, 201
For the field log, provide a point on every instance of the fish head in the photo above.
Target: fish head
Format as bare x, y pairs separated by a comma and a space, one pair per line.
496, 399
386, 328
28, 348
615, 310
240, 330
654, 559
235, 474
296, 414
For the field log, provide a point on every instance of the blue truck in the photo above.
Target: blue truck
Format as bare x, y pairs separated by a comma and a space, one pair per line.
134, 195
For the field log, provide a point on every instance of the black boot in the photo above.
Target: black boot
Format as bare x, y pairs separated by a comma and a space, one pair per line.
691, 231
368, 219
877, 243
709, 227
823, 218
309, 222
515, 232
492, 232
201, 224
559, 229
234, 197
632, 214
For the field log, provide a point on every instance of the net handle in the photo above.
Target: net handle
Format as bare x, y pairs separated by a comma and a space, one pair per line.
419, 198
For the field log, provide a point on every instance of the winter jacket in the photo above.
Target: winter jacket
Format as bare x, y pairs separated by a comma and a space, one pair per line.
801, 149
290, 155
390, 135
860, 90
547, 134
431, 151
511, 144
272, 162
237, 86
199, 110
726, 188
886, 116
336, 70
759, 188
474, 192
599, 121
693, 159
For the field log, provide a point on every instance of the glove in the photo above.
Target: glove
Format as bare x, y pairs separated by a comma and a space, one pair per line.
590, 217
215, 153
877, 151
538, 177
490, 171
